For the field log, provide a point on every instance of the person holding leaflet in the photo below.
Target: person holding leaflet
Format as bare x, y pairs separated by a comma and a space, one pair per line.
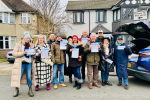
75, 60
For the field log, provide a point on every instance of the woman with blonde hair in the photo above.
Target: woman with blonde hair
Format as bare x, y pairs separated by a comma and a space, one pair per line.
23, 69
43, 72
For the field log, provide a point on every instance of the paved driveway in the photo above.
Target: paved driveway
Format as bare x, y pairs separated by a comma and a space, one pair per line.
5, 68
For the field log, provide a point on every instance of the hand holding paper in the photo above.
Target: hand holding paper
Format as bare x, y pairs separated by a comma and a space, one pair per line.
94, 47
44, 53
75, 53
30, 52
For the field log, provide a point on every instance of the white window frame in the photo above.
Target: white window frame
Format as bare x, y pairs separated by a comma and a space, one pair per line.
21, 18
9, 40
3, 18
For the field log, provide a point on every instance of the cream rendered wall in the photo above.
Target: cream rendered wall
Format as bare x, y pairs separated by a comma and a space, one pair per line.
20, 30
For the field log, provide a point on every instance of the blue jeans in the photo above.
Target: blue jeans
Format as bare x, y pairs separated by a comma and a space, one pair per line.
61, 73
28, 69
77, 74
125, 80
104, 75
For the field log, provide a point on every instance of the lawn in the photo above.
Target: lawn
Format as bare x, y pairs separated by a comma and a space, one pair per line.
2, 60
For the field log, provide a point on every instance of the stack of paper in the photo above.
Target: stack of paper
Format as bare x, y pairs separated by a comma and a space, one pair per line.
30, 52
44, 53
75, 53
84, 40
94, 47
63, 44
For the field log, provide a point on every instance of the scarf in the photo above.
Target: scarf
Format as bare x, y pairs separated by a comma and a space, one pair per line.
27, 45
106, 49
119, 44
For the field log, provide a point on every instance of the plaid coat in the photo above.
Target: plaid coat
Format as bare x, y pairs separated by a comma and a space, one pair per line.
43, 72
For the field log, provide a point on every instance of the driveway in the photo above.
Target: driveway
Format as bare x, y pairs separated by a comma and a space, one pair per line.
5, 68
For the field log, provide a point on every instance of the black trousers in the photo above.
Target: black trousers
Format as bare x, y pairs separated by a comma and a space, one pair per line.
83, 67
70, 71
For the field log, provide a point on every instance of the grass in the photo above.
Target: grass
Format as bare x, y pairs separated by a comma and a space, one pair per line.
2, 60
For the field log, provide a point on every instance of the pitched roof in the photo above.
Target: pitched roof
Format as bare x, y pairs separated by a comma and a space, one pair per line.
91, 4
18, 5
100, 27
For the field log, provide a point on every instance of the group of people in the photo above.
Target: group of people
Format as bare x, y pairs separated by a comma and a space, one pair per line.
37, 71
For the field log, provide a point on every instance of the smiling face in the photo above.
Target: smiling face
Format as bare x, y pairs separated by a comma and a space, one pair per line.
75, 39
41, 39
106, 41
100, 34
85, 33
27, 40
119, 41
69, 40
59, 38
52, 36
93, 37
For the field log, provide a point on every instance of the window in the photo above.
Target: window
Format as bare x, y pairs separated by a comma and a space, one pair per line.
7, 42
117, 15
78, 17
8, 18
25, 18
1, 17
12, 18
101, 16
5, 17
127, 13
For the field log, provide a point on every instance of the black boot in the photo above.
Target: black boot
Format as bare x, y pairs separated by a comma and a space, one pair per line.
126, 87
70, 80
16, 93
75, 84
107, 83
119, 84
30, 92
103, 83
79, 86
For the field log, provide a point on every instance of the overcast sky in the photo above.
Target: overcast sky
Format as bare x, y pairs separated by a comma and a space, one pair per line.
63, 2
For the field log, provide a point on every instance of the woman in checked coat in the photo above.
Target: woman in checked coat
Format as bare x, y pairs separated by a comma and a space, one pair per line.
43, 72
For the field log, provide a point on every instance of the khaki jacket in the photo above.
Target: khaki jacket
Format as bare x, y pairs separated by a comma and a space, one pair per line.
57, 54
16, 70
93, 58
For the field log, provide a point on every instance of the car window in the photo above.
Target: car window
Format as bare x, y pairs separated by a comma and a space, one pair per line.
136, 29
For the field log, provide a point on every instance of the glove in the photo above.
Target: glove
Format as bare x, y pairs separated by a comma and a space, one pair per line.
126, 49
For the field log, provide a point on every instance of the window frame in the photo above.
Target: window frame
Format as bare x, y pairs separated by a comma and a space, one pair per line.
28, 16
3, 18
115, 13
98, 16
9, 40
75, 18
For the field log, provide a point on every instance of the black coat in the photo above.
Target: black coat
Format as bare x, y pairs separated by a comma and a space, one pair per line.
49, 42
105, 66
99, 39
73, 62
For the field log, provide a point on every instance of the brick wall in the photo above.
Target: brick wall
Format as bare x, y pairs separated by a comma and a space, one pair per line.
3, 53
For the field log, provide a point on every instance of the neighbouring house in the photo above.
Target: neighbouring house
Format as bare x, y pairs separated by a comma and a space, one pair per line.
91, 15
106, 15
16, 17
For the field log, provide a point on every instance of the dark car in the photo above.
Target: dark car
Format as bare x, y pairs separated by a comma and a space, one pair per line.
10, 57
139, 62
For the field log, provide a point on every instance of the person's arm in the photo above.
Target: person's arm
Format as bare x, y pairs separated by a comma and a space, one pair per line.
127, 50
86, 48
16, 52
49, 51
82, 52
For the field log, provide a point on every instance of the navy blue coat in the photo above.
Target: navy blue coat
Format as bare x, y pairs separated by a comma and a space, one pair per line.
121, 61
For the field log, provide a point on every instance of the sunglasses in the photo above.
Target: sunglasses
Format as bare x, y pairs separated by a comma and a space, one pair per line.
100, 33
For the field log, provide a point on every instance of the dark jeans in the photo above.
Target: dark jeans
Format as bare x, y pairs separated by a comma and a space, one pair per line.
77, 74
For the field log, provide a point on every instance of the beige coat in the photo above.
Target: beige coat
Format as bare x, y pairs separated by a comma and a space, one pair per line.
16, 71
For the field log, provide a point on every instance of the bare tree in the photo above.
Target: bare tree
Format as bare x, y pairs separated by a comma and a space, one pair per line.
51, 16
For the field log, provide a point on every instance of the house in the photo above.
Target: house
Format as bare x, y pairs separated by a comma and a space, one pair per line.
106, 15
16, 17
91, 15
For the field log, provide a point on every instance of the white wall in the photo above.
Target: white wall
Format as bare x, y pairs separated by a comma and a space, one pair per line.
78, 28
